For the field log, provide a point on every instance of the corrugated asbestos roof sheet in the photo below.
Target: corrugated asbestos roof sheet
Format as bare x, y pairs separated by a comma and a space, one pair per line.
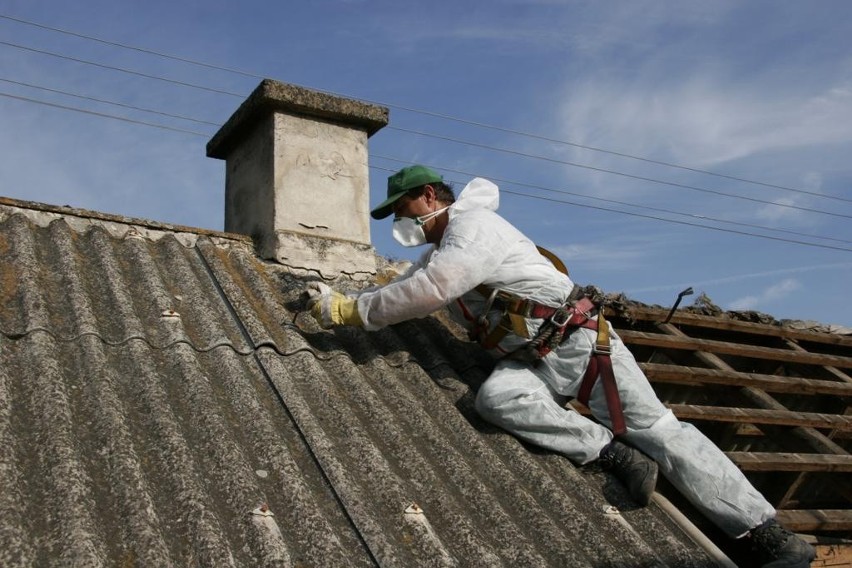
163, 403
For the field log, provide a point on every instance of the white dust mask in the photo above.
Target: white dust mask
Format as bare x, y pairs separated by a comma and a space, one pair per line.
408, 231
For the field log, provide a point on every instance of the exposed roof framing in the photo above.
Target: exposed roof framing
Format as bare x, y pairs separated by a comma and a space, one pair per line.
775, 398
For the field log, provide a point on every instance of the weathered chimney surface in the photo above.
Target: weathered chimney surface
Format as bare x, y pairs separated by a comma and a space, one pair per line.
296, 177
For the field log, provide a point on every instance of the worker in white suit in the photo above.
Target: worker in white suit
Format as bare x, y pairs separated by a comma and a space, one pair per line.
550, 348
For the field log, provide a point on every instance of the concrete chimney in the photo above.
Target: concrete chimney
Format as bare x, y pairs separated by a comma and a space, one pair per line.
296, 177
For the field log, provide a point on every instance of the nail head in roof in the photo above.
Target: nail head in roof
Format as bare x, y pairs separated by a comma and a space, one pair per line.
170, 315
133, 233
263, 511
611, 510
413, 509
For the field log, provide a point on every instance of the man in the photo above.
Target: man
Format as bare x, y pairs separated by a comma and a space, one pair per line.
546, 336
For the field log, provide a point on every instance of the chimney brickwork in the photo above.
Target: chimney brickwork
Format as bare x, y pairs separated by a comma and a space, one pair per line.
297, 180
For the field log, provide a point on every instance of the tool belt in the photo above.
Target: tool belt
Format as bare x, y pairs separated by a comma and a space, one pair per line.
558, 325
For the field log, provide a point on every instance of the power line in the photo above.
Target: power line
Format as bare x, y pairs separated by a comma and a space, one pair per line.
474, 144
744, 233
130, 47
637, 206
121, 69
434, 114
446, 138
599, 208
165, 127
539, 187
614, 172
103, 115
104, 101
619, 154
663, 219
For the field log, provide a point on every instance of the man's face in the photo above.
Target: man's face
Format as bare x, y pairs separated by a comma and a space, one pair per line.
426, 203
407, 206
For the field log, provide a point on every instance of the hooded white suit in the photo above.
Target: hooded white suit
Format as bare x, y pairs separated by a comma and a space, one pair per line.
480, 247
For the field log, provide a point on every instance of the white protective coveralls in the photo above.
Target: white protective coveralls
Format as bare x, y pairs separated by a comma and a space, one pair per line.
480, 247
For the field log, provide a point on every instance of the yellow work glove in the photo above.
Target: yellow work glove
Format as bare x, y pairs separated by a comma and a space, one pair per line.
331, 308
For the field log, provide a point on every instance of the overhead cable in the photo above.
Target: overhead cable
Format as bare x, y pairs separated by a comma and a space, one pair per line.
447, 138
614, 172
104, 101
619, 154
103, 115
710, 227
121, 69
533, 186
207, 135
130, 47
434, 114
617, 202
653, 218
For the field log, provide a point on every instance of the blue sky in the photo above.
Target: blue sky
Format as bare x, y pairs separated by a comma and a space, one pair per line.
590, 100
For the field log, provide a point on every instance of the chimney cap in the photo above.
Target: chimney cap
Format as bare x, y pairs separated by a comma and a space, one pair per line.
271, 96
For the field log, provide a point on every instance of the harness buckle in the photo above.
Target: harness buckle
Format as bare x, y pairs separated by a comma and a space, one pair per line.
563, 321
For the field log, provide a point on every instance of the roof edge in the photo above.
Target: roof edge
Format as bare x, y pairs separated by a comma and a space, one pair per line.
67, 210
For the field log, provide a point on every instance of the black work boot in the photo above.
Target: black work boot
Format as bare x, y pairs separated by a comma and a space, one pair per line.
779, 548
634, 469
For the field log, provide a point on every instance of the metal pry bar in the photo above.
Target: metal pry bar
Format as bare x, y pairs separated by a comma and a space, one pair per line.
687, 292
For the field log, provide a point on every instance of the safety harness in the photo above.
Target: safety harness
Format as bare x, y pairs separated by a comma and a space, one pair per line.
558, 325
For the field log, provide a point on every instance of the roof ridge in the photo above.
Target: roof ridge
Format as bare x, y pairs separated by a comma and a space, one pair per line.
43, 214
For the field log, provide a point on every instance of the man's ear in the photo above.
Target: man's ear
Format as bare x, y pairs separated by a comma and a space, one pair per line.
430, 194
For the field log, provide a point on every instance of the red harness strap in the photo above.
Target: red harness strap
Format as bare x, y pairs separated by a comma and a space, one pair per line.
600, 365
579, 315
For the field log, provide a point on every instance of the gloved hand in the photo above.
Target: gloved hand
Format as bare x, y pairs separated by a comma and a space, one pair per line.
331, 308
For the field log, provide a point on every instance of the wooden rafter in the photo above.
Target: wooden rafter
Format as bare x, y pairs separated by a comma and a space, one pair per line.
790, 494
787, 461
762, 416
684, 342
818, 441
765, 416
722, 323
813, 520
770, 383
827, 457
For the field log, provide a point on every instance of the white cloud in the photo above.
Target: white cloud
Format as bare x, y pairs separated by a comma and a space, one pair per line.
783, 209
748, 276
771, 294
611, 252
703, 120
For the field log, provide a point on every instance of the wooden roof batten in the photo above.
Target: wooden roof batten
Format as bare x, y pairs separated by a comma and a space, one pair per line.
644, 313
743, 344
664, 373
684, 342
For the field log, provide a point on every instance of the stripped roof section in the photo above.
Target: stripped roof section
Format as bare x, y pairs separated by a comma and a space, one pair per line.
161, 394
775, 397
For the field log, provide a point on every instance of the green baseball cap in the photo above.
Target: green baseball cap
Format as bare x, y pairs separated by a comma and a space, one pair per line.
399, 183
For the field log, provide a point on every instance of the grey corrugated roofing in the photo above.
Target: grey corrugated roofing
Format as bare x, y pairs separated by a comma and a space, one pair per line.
160, 392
